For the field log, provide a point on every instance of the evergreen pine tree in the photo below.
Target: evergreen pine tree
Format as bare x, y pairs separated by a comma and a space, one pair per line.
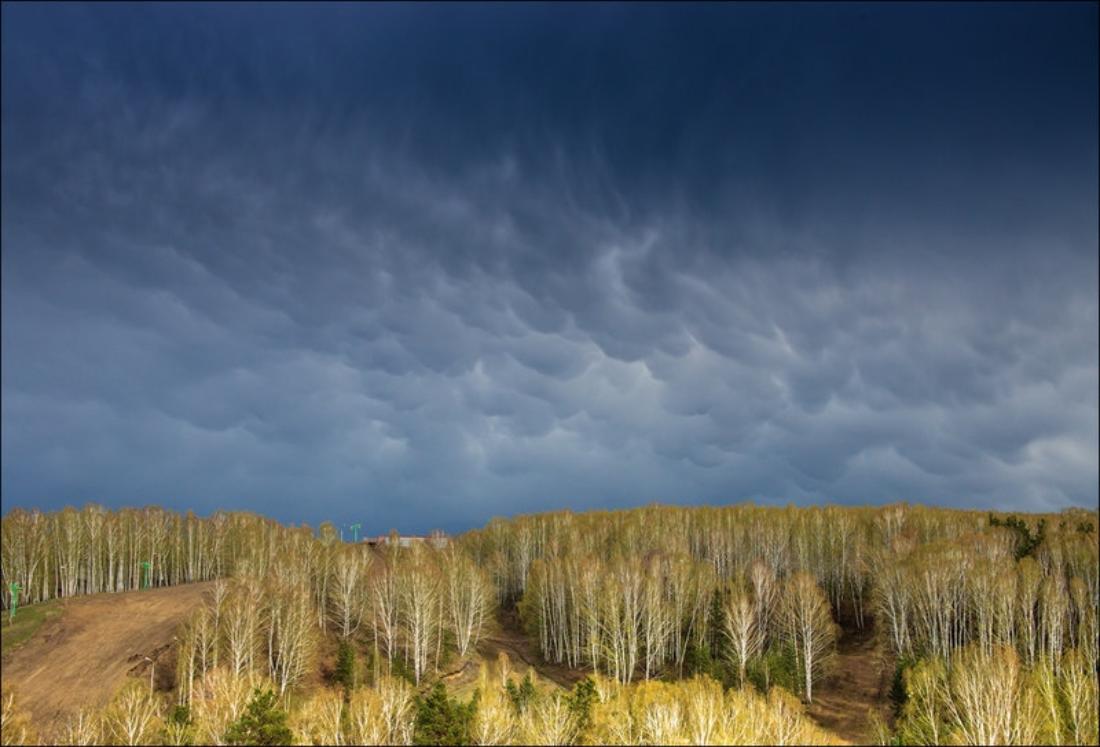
442, 720
580, 703
261, 723
345, 666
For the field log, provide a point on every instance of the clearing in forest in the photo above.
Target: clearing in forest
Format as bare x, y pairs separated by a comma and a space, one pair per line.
506, 636
858, 685
82, 656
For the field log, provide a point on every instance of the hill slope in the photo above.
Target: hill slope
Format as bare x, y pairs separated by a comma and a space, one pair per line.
82, 656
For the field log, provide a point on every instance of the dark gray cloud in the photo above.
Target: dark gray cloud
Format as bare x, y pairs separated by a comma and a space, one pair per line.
422, 266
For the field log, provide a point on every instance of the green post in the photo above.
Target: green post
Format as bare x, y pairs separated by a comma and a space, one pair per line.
14, 589
355, 531
146, 567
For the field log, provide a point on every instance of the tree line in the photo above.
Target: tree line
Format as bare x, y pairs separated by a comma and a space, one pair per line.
227, 708
659, 605
72, 552
410, 607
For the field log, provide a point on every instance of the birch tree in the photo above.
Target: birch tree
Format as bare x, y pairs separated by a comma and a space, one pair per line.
809, 626
468, 598
346, 589
133, 716
741, 628
290, 633
420, 591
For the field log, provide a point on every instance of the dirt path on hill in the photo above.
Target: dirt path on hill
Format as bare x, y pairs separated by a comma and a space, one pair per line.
859, 684
521, 653
81, 657
510, 639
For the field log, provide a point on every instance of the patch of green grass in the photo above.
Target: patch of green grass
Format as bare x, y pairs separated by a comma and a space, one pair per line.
27, 621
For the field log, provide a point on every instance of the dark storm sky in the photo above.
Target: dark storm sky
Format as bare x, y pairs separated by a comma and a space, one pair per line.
418, 266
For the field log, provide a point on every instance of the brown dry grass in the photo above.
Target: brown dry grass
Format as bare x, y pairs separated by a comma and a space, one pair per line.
82, 656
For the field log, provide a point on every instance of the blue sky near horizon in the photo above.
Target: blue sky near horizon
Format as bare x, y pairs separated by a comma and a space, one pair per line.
420, 265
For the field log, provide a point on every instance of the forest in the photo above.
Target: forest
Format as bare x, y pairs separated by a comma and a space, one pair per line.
659, 625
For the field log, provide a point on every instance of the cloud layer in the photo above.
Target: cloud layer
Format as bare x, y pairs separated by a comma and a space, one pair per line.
418, 268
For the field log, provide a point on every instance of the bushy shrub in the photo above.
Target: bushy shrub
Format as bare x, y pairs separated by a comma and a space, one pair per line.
181, 715
898, 694
522, 695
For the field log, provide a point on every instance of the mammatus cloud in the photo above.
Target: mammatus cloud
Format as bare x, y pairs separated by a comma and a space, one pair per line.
276, 304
